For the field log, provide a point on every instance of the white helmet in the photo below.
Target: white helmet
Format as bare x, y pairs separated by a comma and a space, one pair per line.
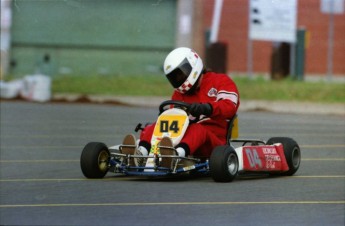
183, 67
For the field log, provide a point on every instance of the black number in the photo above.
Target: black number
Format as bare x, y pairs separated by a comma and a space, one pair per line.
174, 126
164, 126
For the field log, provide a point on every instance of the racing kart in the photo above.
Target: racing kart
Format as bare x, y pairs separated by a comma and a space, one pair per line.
277, 156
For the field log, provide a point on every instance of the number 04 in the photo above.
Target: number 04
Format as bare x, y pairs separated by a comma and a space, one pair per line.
253, 158
165, 127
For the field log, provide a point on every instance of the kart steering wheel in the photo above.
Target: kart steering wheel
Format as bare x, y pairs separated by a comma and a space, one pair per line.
178, 104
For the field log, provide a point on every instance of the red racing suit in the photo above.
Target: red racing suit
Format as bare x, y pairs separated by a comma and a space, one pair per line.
202, 137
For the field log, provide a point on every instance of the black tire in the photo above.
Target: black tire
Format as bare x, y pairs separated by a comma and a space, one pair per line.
223, 164
292, 153
94, 160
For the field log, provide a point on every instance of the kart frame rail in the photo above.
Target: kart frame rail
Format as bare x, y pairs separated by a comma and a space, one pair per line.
120, 163
254, 142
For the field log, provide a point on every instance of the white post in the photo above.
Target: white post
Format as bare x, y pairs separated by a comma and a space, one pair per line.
185, 14
217, 11
6, 20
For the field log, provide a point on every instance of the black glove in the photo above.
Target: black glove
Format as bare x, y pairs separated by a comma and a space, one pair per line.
197, 109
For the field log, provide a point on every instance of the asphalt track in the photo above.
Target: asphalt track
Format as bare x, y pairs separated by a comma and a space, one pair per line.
42, 184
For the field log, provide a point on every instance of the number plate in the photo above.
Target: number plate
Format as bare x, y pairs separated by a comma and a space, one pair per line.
170, 125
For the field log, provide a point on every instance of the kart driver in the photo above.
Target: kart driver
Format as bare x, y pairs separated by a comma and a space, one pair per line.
214, 99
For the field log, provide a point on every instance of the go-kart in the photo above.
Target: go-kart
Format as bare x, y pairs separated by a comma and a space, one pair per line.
277, 156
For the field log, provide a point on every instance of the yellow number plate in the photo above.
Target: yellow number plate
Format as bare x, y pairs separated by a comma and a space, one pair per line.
169, 125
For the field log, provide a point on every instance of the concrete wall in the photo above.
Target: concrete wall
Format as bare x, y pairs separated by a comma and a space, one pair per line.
91, 37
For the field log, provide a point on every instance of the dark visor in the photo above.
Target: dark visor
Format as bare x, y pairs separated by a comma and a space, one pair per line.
178, 76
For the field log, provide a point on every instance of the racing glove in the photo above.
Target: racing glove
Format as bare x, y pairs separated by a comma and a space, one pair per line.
197, 109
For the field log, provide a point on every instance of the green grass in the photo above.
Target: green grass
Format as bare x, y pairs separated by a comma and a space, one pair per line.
114, 85
291, 90
256, 88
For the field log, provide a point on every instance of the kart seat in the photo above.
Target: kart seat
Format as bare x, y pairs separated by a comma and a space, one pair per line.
232, 132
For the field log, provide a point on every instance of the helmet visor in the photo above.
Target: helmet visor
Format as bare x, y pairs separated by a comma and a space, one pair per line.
180, 74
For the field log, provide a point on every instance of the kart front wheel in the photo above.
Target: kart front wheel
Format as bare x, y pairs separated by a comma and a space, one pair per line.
292, 153
94, 160
223, 164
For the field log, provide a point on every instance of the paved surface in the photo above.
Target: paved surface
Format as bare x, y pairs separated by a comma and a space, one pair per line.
42, 184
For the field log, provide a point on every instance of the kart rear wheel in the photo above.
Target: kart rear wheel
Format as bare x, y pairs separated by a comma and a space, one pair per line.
292, 153
94, 160
223, 164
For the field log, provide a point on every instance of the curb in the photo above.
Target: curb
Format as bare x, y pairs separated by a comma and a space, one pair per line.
246, 105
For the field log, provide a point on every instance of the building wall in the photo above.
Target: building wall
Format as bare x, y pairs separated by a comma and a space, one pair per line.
133, 37
234, 32
91, 37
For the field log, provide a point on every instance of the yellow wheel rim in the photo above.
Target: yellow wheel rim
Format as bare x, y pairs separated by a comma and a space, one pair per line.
103, 158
